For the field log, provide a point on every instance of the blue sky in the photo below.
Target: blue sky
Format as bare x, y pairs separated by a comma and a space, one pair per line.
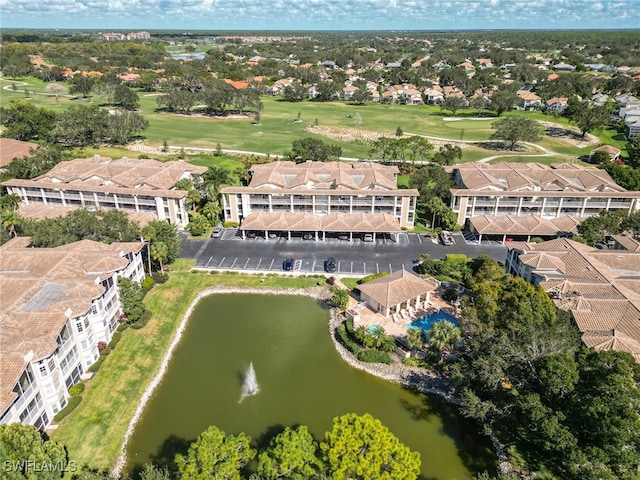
320, 14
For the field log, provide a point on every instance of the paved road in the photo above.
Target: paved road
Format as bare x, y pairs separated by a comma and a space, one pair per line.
352, 258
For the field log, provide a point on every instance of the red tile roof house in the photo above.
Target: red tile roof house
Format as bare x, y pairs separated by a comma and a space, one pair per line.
613, 152
557, 104
11, 148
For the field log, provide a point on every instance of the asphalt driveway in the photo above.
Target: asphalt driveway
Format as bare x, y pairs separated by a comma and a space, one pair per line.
357, 258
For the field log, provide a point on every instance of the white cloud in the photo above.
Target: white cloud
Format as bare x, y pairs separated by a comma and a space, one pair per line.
322, 14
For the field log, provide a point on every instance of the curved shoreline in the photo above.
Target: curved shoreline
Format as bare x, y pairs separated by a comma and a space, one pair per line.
415, 378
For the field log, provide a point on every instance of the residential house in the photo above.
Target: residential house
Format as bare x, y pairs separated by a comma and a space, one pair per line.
613, 152
528, 101
320, 199
433, 96
57, 305
278, 87
598, 286
564, 67
484, 63
132, 185
557, 104
347, 92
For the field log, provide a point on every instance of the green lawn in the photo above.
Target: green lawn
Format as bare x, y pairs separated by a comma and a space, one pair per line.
278, 128
94, 432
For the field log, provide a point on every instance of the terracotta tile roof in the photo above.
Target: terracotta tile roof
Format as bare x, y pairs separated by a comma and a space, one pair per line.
314, 176
628, 243
521, 179
39, 211
607, 149
103, 174
601, 288
308, 222
38, 288
11, 148
397, 287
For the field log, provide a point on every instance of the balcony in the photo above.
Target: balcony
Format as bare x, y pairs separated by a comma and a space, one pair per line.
25, 397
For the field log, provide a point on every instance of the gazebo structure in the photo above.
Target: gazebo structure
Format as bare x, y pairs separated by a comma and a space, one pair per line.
397, 292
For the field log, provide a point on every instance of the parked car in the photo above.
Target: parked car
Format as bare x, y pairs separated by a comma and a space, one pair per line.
287, 265
307, 236
447, 238
217, 232
343, 236
251, 235
330, 265
273, 235
367, 237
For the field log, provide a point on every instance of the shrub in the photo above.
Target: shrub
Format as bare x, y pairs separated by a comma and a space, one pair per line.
339, 298
374, 356
159, 278
114, 340
96, 366
122, 327
230, 224
105, 352
71, 406
450, 294
147, 283
146, 316
345, 339
101, 346
412, 362
76, 389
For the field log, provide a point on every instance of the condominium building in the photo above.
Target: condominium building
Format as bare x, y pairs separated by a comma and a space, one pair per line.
57, 304
316, 199
559, 194
132, 185
600, 287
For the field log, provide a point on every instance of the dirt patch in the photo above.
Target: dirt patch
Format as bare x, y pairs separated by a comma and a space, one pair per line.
569, 135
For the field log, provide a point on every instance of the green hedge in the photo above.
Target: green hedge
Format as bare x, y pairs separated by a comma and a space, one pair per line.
114, 340
374, 356
122, 327
373, 276
71, 406
144, 318
96, 366
159, 278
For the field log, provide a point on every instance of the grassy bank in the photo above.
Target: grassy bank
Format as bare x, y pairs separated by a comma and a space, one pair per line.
94, 432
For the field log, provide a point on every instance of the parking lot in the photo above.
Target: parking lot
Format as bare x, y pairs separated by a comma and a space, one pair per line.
357, 258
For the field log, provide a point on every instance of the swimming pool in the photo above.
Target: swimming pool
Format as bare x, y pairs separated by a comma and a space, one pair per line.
425, 322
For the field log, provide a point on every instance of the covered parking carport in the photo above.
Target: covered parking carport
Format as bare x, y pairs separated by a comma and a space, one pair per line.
348, 226
506, 228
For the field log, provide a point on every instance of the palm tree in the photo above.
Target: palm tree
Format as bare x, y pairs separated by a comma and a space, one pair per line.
10, 220
443, 335
159, 252
414, 338
193, 198
211, 210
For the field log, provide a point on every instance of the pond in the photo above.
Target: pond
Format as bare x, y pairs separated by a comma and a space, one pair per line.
302, 380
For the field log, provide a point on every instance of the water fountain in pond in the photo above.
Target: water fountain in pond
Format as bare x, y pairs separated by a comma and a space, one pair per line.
250, 385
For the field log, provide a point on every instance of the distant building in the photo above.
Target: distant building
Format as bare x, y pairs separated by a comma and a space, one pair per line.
133, 185
57, 304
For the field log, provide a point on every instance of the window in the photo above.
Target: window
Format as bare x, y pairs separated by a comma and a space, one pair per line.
43, 369
79, 326
94, 309
52, 365
84, 344
86, 322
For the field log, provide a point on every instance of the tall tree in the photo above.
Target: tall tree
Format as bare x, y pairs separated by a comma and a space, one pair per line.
25, 121
291, 454
361, 447
503, 101
25, 455
443, 335
516, 129
215, 456
589, 118
158, 231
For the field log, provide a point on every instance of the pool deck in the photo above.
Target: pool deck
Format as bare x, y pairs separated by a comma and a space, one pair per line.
398, 326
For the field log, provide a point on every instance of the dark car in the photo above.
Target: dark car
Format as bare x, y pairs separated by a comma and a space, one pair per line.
330, 265
251, 234
287, 265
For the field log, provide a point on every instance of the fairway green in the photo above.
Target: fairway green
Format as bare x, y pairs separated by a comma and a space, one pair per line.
278, 127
